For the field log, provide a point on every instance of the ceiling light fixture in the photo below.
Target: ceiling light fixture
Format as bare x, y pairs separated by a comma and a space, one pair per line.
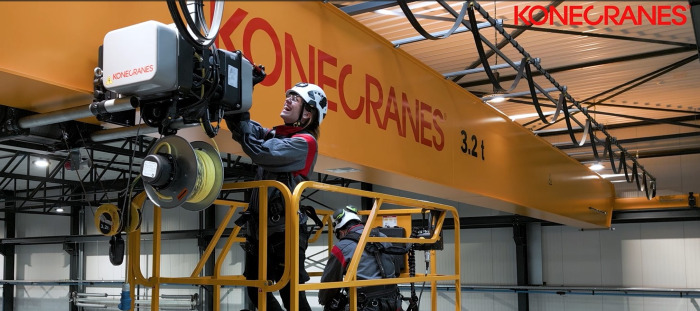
606, 176
41, 163
534, 115
596, 167
59, 209
491, 97
342, 170
494, 98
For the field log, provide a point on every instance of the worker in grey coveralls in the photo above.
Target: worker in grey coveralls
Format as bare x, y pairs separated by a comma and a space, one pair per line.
286, 153
347, 227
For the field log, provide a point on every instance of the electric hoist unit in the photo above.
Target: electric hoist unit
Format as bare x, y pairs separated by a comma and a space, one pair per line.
172, 79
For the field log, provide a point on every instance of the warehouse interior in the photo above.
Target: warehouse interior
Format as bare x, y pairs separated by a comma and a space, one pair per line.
526, 237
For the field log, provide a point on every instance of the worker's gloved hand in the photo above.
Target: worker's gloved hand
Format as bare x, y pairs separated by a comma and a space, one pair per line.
235, 122
237, 117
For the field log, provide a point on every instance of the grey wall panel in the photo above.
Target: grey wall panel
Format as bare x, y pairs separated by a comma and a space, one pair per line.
41, 298
477, 256
483, 301
233, 262
171, 219
503, 249
33, 225
97, 265
665, 304
552, 256
652, 255
663, 255
691, 233
41, 262
178, 257
232, 299
618, 303
505, 302
545, 302
581, 256
621, 256
582, 303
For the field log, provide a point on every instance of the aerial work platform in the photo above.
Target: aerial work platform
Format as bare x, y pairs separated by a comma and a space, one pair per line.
398, 209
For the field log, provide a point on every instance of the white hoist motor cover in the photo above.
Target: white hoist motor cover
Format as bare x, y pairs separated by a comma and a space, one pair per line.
141, 59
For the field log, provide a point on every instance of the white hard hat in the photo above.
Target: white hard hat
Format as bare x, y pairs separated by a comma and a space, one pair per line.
312, 95
342, 216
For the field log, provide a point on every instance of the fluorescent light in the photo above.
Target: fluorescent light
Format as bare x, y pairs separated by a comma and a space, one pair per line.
534, 114
59, 209
388, 12
494, 99
342, 170
41, 163
596, 167
525, 93
612, 175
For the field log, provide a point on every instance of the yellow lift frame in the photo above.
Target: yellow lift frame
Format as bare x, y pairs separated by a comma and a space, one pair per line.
292, 200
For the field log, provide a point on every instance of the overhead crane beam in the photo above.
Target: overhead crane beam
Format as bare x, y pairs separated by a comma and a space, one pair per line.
393, 121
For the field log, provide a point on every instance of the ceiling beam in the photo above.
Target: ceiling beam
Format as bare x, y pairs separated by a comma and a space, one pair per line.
504, 41
561, 131
368, 6
604, 36
601, 104
634, 140
632, 84
645, 154
588, 64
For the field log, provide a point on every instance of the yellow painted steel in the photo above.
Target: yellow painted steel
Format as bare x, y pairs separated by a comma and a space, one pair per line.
413, 207
427, 134
136, 277
661, 201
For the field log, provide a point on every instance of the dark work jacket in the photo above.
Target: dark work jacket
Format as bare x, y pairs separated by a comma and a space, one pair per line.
341, 254
286, 154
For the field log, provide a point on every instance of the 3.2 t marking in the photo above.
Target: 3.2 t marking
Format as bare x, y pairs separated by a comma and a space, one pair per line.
474, 142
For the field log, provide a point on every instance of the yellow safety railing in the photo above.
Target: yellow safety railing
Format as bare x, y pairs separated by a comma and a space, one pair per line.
291, 264
136, 277
350, 281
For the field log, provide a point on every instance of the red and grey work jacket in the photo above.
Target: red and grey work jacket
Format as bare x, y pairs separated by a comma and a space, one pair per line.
286, 154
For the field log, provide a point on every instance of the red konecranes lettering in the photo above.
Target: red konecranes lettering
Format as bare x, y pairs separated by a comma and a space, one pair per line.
132, 72
380, 104
610, 14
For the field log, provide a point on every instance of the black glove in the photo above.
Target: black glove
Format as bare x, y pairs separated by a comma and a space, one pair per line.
237, 117
258, 74
234, 122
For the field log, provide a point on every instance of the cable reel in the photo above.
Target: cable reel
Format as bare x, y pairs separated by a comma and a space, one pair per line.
177, 173
107, 219
111, 220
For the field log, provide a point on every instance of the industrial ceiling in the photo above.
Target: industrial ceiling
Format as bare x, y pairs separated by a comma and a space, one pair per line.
637, 80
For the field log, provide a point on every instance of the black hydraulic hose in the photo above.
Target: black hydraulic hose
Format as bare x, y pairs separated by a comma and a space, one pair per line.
536, 102
175, 14
413, 302
635, 174
594, 141
416, 25
567, 118
546, 74
480, 49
